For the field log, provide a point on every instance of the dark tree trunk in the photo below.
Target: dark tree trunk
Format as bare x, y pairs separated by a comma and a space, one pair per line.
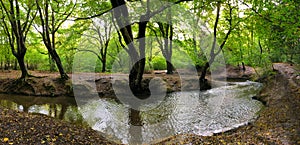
135, 118
136, 76
203, 83
169, 67
104, 54
244, 68
25, 108
169, 64
142, 61
18, 31
166, 45
6, 66
59, 65
55, 56
103, 65
48, 22
135, 129
62, 112
20, 54
203, 73
137, 70
22, 66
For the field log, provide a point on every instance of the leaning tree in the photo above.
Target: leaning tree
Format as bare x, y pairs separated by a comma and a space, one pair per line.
16, 19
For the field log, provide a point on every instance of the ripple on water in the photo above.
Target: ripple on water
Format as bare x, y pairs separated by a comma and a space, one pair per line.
203, 113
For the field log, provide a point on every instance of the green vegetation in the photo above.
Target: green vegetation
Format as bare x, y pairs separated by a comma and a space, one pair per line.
46, 34
137, 37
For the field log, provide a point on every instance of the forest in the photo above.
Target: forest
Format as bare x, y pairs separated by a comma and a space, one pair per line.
47, 45
42, 35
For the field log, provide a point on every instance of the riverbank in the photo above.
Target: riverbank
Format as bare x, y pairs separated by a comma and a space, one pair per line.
48, 84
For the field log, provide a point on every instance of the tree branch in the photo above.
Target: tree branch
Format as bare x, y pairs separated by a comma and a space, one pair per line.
42, 22
94, 16
91, 51
30, 24
255, 11
63, 20
212, 52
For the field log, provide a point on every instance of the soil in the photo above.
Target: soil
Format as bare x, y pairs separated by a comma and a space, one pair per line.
49, 84
26, 128
42, 84
278, 122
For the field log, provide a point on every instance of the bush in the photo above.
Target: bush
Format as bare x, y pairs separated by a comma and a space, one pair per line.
159, 63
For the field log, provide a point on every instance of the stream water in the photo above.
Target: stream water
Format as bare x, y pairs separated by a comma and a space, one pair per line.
203, 113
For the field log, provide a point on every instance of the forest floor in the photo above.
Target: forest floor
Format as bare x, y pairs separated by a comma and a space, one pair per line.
278, 122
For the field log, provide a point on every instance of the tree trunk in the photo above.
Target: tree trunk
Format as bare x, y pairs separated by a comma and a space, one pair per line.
63, 112
141, 63
169, 67
133, 74
137, 70
103, 65
203, 73
244, 68
169, 63
7, 64
203, 83
57, 60
135, 128
22, 66
121, 15
135, 118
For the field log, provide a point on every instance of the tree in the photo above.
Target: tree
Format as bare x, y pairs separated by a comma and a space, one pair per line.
16, 24
68, 42
52, 14
277, 28
137, 56
165, 44
99, 37
215, 50
121, 15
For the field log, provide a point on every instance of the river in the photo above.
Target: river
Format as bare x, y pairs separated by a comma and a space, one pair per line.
203, 113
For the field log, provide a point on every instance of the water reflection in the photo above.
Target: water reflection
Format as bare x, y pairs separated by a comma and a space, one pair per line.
202, 113
63, 108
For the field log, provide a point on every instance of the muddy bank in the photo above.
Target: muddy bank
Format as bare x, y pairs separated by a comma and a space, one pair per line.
51, 87
48, 84
34, 86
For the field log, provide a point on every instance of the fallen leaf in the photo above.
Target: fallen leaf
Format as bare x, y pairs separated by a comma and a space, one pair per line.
5, 139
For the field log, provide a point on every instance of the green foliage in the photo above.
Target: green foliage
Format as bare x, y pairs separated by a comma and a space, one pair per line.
159, 63
262, 32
